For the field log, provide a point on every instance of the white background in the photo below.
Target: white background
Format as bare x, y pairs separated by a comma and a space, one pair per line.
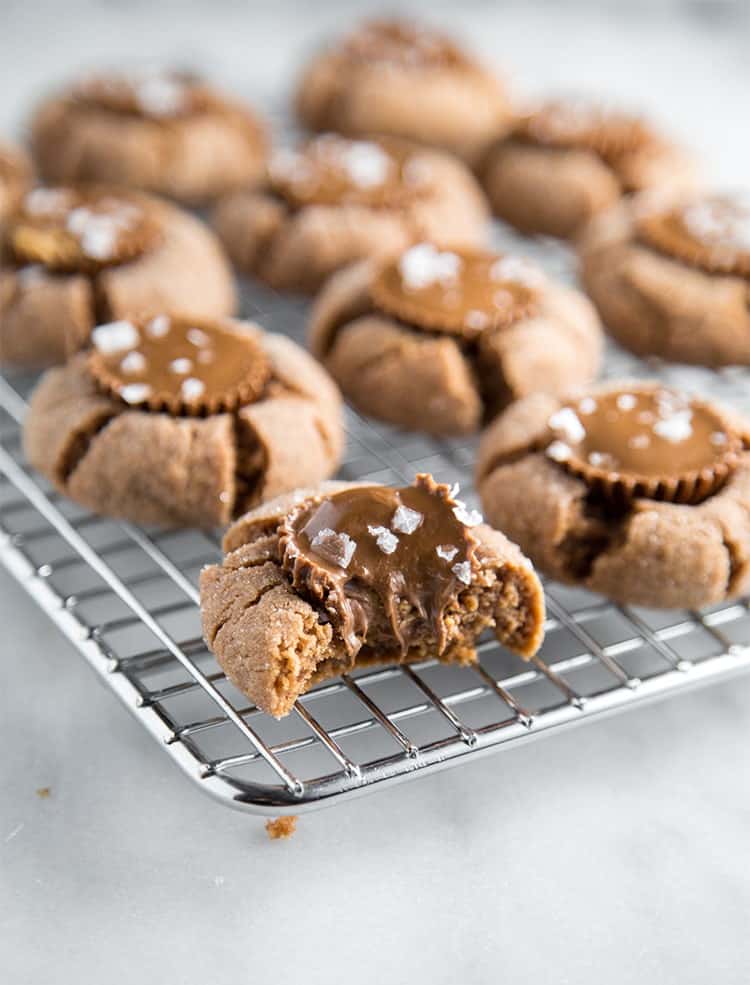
614, 853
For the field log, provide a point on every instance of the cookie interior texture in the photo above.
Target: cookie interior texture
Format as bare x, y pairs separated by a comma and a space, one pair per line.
711, 232
179, 365
633, 490
71, 230
318, 583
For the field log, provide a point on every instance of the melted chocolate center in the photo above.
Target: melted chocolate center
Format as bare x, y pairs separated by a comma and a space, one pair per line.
178, 365
711, 232
383, 558
152, 95
650, 442
332, 170
461, 292
403, 44
68, 229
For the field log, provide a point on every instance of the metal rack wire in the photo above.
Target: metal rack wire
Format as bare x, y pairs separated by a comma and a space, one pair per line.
127, 598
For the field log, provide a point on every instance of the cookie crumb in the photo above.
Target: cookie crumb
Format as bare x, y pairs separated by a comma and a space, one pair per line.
281, 827
44, 792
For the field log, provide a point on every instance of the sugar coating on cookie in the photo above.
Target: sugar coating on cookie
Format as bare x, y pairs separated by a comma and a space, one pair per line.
358, 574
635, 490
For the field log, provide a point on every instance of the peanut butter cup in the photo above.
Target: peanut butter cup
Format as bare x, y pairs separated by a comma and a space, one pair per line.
631, 489
460, 292
645, 441
179, 365
711, 232
362, 551
325, 580
439, 339
69, 230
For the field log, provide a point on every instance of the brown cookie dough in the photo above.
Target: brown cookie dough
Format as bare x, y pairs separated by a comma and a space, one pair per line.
404, 80
179, 422
569, 160
316, 583
440, 340
159, 131
670, 276
15, 178
338, 200
72, 257
629, 489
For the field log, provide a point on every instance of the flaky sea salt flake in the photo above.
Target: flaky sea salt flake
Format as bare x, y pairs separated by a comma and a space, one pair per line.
446, 552
386, 540
406, 521
462, 571
115, 336
336, 547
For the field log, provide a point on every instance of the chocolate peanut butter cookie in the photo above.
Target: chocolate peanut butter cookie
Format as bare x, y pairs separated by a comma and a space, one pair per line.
338, 200
15, 178
671, 276
163, 132
70, 258
320, 581
439, 340
179, 422
404, 80
571, 159
630, 489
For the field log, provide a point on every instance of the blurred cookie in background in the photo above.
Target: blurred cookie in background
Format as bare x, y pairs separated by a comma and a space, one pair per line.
15, 178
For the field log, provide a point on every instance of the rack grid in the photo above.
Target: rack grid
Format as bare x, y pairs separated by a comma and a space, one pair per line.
127, 598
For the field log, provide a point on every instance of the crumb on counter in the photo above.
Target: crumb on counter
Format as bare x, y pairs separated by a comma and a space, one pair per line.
281, 827
44, 792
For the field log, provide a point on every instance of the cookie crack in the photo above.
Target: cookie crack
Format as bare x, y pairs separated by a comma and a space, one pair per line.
80, 445
246, 607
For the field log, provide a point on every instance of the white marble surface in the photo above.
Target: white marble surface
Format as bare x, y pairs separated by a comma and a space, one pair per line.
616, 852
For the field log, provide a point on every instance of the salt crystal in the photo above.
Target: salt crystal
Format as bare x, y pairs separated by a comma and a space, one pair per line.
192, 389
446, 552
43, 201
675, 428
469, 518
462, 571
115, 336
639, 441
336, 547
181, 366
134, 362
158, 327
587, 405
718, 438
517, 269
567, 421
99, 239
626, 401
135, 393
476, 320
366, 164
558, 451
197, 337
454, 490
423, 265
384, 538
405, 520
160, 96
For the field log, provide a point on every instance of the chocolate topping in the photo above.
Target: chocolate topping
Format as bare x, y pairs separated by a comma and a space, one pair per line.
392, 559
712, 232
157, 95
68, 229
181, 366
581, 123
333, 170
404, 44
458, 291
645, 441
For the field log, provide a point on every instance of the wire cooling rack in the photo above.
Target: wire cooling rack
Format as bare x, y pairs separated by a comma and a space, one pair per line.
127, 598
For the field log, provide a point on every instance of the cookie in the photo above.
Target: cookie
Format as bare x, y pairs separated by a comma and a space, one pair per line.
72, 257
670, 275
569, 160
165, 132
631, 489
403, 79
183, 423
337, 200
439, 340
316, 583
15, 178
